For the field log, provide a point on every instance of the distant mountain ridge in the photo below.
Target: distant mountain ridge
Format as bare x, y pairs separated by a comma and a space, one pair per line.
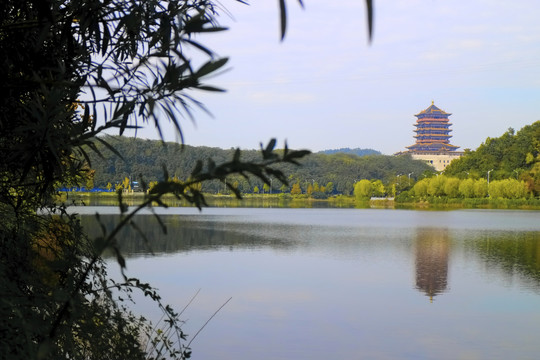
355, 151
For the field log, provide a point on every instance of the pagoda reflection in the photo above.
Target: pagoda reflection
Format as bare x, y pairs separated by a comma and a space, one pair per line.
432, 253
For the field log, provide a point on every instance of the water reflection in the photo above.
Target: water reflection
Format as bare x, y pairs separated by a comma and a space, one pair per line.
514, 253
183, 233
511, 253
348, 284
432, 254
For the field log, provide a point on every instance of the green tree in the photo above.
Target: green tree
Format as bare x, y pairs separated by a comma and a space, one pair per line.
451, 187
515, 189
377, 188
496, 189
420, 189
151, 185
329, 188
436, 185
70, 71
126, 184
363, 189
296, 190
466, 188
480, 188
507, 188
338, 170
512, 150
90, 180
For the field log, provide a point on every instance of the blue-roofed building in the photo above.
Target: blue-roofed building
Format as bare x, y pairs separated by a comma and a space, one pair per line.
433, 138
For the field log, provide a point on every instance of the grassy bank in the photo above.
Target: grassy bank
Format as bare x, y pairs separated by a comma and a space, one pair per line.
249, 200
485, 203
288, 201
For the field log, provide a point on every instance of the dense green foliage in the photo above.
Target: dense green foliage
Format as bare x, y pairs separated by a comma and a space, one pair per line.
143, 160
70, 70
512, 155
502, 171
345, 170
453, 187
512, 161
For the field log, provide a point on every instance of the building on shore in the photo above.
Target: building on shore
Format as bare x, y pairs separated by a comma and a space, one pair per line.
433, 139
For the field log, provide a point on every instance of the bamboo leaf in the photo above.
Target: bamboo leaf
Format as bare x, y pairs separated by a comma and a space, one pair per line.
236, 157
199, 46
106, 38
198, 168
271, 145
119, 258
283, 18
209, 88
369, 6
109, 146
210, 67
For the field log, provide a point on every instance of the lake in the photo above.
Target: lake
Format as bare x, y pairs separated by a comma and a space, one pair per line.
344, 283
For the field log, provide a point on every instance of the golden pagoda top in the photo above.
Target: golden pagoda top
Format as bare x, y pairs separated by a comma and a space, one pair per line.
432, 110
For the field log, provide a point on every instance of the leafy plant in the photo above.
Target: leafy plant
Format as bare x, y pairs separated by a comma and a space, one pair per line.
72, 70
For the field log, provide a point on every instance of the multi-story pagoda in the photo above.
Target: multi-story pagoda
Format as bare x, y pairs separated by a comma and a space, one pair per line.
433, 138
432, 131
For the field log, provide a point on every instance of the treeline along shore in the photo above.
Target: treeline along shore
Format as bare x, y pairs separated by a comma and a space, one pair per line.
320, 175
501, 172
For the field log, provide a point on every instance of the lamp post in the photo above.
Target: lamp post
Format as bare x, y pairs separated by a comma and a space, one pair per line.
410, 178
517, 174
488, 180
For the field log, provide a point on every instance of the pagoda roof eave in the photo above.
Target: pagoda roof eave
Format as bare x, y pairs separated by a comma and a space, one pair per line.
438, 124
432, 129
432, 137
423, 120
432, 109
440, 146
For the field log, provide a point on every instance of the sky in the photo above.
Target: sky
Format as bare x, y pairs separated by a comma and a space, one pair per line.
327, 87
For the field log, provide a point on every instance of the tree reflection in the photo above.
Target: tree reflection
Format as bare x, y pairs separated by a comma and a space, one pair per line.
183, 234
432, 253
513, 253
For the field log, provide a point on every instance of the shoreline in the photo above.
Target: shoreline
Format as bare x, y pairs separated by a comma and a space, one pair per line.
288, 201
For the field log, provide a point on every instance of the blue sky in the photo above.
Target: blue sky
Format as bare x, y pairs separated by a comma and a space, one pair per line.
326, 87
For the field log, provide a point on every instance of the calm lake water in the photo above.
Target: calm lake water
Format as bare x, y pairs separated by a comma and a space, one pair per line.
345, 283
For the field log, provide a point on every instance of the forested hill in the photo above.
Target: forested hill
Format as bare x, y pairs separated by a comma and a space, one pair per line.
355, 151
147, 158
515, 155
